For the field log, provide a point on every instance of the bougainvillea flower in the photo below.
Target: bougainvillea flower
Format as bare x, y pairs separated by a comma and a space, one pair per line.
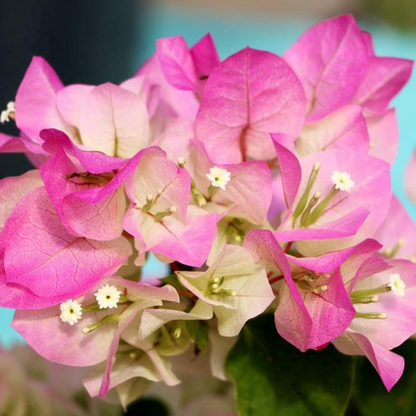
159, 217
187, 68
314, 306
42, 262
36, 101
398, 232
170, 101
13, 189
86, 187
107, 118
383, 79
409, 180
249, 95
384, 321
143, 357
345, 128
47, 334
234, 286
349, 186
248, 192
383, 132
331, 60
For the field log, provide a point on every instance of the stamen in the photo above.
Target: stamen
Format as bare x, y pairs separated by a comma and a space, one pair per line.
304, 219
369, 292
181, 162
213, 288
235, 231
198, 197
371, 315
393, 252
366, 299
318, 211
320, 289
304, 199
160, 215
105, 321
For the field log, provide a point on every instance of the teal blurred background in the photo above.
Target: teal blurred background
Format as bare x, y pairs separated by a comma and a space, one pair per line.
235, 25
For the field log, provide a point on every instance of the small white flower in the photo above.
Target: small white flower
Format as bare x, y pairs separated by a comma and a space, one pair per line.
219, 177
71, 312
397, 285
108, 297
4, 116
342, 181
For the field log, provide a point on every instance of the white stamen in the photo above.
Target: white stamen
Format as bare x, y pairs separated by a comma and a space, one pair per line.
181, 162
71, 312
5, 115
219, 177
108, 297
172, 209
397, 285
342, 181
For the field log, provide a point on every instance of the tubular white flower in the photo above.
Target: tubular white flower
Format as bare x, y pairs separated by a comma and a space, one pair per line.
342, 181
397, 285
219, 177
71, 312
6, 113
107, 297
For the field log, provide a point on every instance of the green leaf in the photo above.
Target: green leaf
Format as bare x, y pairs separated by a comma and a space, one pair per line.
172, 280
192, 328
201, 338
272, 377
372, 398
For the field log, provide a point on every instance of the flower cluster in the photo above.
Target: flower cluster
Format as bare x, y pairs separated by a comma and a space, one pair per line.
264, 181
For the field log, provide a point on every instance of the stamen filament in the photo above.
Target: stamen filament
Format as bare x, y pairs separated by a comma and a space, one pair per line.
371, 315
304, 219
318, 211
105, 321
160, 215
365, 299
304, 199
368, 292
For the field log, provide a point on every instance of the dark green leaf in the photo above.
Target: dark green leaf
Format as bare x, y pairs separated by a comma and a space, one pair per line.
172, 280
148, 407
192, 328
272, 377
201, 339
372, 398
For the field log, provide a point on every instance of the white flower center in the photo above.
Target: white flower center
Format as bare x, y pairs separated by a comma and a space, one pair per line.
397, 285
71, 312
4, 116
342, 181
219, 177
107, 297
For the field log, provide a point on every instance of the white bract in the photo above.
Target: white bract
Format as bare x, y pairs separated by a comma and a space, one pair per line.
71, 312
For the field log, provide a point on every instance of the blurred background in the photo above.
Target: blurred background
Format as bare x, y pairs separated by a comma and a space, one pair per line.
96, 41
